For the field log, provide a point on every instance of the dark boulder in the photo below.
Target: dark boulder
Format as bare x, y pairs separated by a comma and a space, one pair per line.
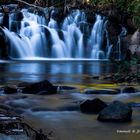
116, 112
92, 106
10, 89
129, 90
36, 88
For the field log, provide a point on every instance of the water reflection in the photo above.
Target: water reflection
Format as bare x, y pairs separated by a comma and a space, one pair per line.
54, 71
76, 68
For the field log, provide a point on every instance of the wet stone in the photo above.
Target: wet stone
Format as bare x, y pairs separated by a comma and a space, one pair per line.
10, 89
92, 106
106, 91
43, 86
129, 90
116, 112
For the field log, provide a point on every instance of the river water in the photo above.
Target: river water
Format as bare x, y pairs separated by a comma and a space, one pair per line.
59, 114
55, 71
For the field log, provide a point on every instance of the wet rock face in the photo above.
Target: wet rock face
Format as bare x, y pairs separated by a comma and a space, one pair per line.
16, 22
19, 16
90, 17
116, 112
43, 86
135, 43
131, 44
3, 46
6, 20
92, 106
135, 39
129, 23
114, 29
57, 14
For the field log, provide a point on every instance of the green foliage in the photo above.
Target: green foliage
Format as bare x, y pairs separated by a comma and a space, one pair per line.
135, 60
127, 71
130, 6
137, 15
101, 2
121, 4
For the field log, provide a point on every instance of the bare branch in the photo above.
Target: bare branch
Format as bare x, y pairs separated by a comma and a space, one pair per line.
32, 5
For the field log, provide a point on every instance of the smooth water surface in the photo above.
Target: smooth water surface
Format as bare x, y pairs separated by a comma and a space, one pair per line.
55, 71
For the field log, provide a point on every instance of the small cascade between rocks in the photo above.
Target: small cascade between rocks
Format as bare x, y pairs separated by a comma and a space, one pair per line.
34, 37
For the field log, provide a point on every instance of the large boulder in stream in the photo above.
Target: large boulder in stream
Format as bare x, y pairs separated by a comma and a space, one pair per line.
116, 112
9, 89
92, 106
43, 86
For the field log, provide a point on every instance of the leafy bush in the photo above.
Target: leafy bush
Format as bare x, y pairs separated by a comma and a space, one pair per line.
136, 16
130, 6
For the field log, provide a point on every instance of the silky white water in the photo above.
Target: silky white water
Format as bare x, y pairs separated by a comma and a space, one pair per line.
35, 38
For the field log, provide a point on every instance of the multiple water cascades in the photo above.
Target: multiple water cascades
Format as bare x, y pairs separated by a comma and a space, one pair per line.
36, 38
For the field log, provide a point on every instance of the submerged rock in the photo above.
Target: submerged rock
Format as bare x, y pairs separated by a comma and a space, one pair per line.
116, 112
92, 106
36, 88
106, 91
43, 93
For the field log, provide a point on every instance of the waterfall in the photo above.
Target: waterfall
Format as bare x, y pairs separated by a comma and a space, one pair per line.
1, 18
36, 38
58, 47
114, 48
96, 38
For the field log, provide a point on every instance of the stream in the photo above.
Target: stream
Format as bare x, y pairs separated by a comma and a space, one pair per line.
59, 114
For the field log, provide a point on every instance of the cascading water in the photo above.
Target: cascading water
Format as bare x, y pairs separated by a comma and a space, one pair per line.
62, 41
96, 38
111, 48
1, 17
